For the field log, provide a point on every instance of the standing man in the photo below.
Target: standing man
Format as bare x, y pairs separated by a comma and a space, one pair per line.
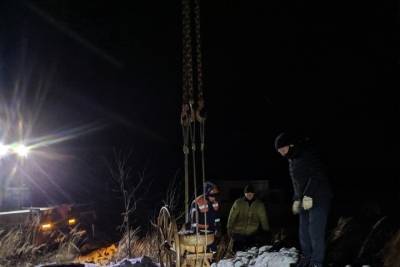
245, 218
312, 196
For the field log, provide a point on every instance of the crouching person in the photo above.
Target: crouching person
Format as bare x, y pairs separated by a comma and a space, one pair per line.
245, 218
205, 213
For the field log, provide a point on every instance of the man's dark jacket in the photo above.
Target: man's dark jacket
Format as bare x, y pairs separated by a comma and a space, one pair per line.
308, 173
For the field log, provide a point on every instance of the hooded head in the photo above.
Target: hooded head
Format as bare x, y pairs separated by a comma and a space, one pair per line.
287, 144
210, 189
284, 139
283, 144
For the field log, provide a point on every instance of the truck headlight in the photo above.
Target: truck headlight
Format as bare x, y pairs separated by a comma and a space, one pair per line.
46, 227
72, 221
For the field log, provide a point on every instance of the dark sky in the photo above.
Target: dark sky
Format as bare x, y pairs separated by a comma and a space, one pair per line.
330, 69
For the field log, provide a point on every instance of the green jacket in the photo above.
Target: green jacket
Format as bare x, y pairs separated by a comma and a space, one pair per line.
245, 219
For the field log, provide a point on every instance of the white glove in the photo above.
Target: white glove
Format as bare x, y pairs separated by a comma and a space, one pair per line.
307, 203
296, 207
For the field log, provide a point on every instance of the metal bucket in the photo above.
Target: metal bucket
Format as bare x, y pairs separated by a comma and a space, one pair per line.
195, 243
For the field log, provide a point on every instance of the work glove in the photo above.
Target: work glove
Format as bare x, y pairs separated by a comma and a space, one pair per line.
296, 207
307, 203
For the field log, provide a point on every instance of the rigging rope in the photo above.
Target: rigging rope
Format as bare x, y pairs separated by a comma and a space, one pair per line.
187, 95
200, 104
192, 109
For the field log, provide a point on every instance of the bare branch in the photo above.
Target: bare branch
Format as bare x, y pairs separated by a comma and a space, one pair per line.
129, 185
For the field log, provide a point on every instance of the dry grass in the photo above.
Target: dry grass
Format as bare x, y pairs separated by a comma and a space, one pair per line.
19, 246
67, 246
140, 246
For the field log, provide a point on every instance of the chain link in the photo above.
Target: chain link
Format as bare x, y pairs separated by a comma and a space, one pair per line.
187, 71
198, 50
192, 109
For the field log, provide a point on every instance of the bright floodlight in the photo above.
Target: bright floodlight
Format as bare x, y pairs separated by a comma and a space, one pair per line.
3, 150
22, 150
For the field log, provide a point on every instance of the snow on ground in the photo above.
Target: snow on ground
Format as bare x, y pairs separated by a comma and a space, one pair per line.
254, 257
261, 258
137, 262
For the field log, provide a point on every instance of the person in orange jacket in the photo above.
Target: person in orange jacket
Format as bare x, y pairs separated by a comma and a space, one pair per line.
208, 205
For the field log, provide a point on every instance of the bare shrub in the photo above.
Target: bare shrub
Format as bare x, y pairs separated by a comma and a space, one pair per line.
19, 246
139, 246
68, 246
131, 189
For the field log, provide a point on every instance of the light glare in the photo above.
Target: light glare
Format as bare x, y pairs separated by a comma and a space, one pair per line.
72, 221
47, 226
22, 150
3, 150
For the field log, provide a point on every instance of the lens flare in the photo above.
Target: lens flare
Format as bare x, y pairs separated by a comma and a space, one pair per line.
21, 150
3, 150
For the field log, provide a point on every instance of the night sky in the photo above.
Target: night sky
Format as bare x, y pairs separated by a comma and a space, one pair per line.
327, 69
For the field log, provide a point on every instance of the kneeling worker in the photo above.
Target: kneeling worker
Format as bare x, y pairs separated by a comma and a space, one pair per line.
245, 218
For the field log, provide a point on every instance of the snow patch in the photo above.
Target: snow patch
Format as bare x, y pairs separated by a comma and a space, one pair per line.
261, 257
136, 262
254, 257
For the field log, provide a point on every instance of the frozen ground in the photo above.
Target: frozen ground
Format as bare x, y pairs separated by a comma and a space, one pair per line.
138, 262
254, 257
261, 258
